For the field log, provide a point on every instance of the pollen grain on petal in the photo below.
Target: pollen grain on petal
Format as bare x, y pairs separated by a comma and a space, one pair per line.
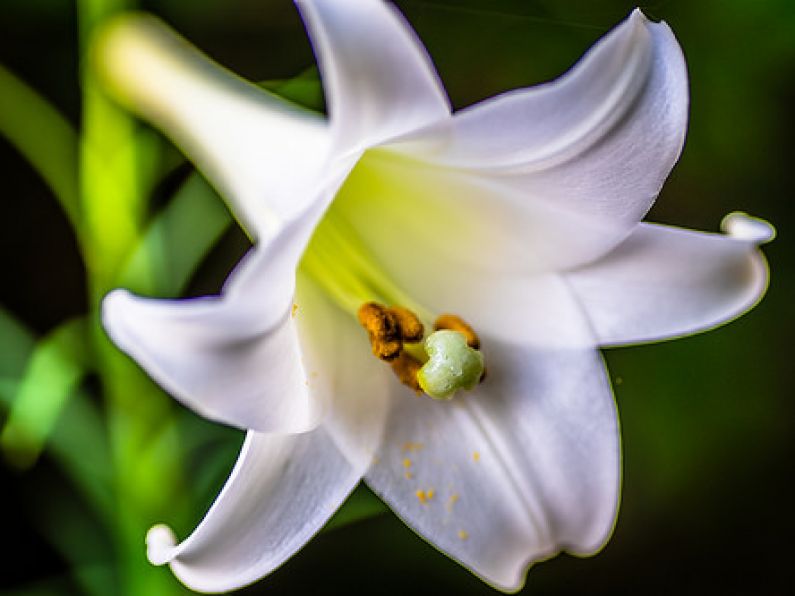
412, 447
425, 496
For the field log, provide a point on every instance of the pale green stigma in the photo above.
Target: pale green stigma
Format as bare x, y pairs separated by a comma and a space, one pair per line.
452, 365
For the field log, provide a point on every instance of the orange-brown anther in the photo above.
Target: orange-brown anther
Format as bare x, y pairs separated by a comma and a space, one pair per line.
383, 328
411, 329
389, 327
405, 367
456, 323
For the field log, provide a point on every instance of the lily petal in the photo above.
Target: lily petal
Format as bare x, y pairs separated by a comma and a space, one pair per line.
420, 220
663, 282
285, 487
342, 369
597, 142
378, 79
281, 492
260, 152
523, 466
209, 352
195, 350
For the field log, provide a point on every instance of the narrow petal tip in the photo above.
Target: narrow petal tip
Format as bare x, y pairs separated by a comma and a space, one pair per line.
160, 544
742, 226
111, 305
120, 45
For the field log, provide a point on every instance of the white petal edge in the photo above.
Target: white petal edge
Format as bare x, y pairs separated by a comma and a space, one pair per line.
259, 151
204, 355
665, 282
209, 352
280, 493
378, 79
599, 141
526, 465
285, 487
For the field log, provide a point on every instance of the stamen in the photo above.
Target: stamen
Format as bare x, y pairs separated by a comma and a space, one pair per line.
411, 327
383, 328
456, 323
447, 361
406, 367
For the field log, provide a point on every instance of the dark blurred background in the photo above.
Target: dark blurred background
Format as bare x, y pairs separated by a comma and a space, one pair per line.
707, 421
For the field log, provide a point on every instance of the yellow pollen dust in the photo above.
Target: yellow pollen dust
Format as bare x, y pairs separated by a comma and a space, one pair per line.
476, 455
452, 501
412, 447
294, 310
463, 534
423, 496
390, 327
407, 463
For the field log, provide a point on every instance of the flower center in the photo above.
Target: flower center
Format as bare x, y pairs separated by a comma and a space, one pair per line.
448, 360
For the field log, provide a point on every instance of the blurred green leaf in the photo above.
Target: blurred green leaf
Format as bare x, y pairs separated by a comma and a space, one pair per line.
16, 345
211, 454
55, 369
66, 524
305, 90
79, 444
177, 240
44, 137
362, 504
77, 440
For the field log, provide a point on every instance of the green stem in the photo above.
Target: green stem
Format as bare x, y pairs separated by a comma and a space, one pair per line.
113, 199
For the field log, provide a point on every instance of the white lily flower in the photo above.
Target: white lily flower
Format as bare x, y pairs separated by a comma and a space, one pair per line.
520, 214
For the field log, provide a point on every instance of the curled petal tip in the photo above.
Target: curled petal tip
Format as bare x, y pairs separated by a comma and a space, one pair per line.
742, 226
110, 306
119, 43
160, 543
113, 297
